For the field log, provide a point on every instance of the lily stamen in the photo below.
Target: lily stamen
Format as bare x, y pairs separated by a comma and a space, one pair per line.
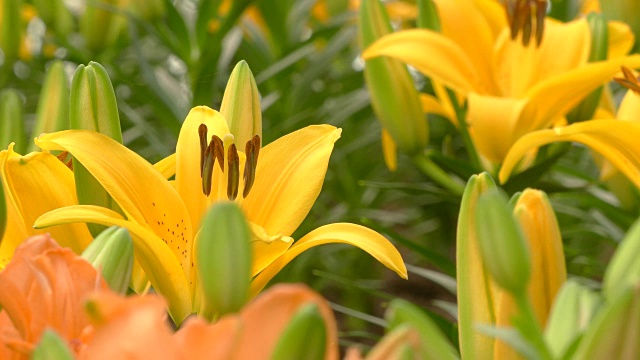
233, 179
208, 160
521, 14
252, 149
202, 132
629, 81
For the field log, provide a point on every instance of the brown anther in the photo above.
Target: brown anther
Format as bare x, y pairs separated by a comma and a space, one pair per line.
219, 150
233, 179
252, 150
523, 16
62, 157
202, 132
630, 81
209, 160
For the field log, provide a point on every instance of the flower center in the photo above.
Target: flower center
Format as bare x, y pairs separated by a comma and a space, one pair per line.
523, 16
214, 150
630, 81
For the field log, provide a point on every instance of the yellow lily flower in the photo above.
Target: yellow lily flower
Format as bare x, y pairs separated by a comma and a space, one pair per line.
614, 139
163, 217
511, 89
34, 184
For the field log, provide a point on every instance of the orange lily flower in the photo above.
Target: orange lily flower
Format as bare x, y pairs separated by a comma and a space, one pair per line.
42, 288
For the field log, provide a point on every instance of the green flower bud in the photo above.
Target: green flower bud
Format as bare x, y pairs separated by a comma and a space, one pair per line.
51, 347
111, 253
304, 337
502, 244
92, 106
433, 343
96, 23
599, 52
223, 255
10, 30
11, 121
394, 97
241, 104
52, 113
56, 15
615, 331
624, 268
574, 307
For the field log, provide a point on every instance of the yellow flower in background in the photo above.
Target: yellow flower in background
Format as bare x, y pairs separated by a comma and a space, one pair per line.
34, 184
511, 89
614, 139
163, 217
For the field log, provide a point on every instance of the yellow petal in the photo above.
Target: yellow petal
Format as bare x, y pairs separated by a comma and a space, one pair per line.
431, 105
494, 14
492, 121
38, 183
521, 67
629, 107
458, 19
155, 257
389, 150
621, 39
15, 231
143, 193
265, 249
343, 233
548, 271
188, 174
289, 177
616, 140
432, 54
557, 95
167, 166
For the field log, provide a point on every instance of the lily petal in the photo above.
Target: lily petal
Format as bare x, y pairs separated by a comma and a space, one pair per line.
629, 107
621, 39
616, 140
15, 231
188, 172
389, 150
155, 257
167, 166
141, 191
488, 116
266, 249
342, 233
37, 183
432, 54
521, 67
458, 19
554, 97
289, 177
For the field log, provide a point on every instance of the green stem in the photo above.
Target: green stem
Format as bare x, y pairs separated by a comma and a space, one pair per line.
461, 116
529, 327
438, 175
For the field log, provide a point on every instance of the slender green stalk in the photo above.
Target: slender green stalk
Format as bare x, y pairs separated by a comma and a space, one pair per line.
438, 175
461, 116
527, 323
